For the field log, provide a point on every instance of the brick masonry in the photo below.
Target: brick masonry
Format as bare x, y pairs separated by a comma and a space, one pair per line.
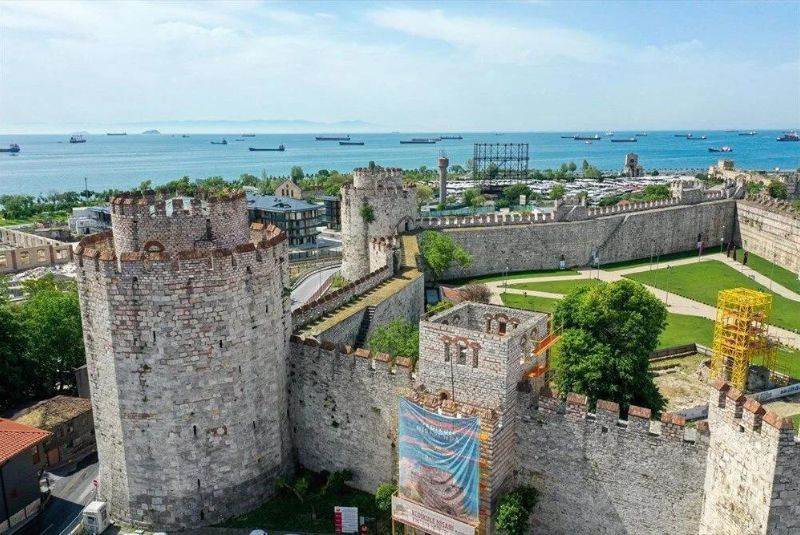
771, 230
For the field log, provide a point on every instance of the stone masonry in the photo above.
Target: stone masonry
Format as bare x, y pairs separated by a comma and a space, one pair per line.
186, 326
394, 208
771, 230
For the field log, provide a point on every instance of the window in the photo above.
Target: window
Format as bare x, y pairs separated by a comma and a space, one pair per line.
447, 352
474, 357
40, 255
462, 355
501, 327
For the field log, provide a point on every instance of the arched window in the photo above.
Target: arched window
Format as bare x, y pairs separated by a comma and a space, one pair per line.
447, 351
462, 355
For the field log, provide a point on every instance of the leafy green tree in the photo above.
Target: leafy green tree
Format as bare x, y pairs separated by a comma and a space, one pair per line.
777, 190
145, 185
585, 165
654, 172
754, 187
296, 173
572, 167
608, 333
424, 193
398, 338
558, 191
383, 497
472, 196
17, 206
651, 192
246, 179
513, 193
440, 251
515, 509
492, 172
15, 371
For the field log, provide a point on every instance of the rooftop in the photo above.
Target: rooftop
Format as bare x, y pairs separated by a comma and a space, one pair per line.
16, 438
55, 411
273, 203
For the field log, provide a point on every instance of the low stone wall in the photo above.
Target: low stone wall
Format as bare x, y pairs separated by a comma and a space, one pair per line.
343, 409
30, 251
599, 474
319, 307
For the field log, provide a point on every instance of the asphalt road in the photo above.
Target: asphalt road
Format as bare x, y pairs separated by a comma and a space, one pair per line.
306, 289
71, 489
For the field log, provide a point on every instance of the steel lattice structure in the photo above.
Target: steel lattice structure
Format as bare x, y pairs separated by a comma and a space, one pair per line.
740, 335
493, 162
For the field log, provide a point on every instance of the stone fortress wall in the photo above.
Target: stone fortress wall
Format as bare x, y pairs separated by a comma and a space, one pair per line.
23, 250
185, 349
394, 208
770, 229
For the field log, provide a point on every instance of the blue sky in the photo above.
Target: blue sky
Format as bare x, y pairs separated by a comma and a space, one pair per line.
472, 66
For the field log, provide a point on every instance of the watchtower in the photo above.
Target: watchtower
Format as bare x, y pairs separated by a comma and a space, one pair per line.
376, 205
186, 326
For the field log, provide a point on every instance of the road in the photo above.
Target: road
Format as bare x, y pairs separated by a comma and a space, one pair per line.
306, 289
70, 492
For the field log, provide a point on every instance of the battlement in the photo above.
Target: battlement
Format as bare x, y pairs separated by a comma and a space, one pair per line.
366, 178
319, 307
607, 417
449, 407
747, 415
774, 205
376, 361
385, 244
210, 219
98, 252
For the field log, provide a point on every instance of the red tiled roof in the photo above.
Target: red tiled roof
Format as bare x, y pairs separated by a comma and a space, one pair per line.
16, 438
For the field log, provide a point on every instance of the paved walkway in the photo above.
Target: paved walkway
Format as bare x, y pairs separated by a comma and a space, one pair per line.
675, 303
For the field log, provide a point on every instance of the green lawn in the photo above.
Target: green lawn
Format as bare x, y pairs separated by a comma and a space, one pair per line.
284, 512
536, 304
556, 287
703, 281
496, 277
616, 266
782, 276
683, 330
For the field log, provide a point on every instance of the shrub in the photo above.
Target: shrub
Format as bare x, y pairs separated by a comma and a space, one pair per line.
440, 251
398, 338
478, 293
515, 509
367, 213
441, 306
383, 497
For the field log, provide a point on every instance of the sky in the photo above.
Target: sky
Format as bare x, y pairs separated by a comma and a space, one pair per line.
416, 66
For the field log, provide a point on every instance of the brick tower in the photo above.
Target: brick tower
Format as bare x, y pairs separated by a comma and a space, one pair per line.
186, 324
377, 194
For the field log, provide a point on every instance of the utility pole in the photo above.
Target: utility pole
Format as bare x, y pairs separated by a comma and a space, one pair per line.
669, 271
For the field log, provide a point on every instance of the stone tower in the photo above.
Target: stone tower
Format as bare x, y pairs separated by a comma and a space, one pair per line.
376, 205
444, 163
186, 323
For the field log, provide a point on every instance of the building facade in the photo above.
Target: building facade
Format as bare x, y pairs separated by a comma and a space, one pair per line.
70, 422
21, 463
332, 216
297, 218
186, 320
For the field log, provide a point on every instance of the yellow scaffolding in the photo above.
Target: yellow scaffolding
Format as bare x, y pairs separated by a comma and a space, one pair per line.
740, 335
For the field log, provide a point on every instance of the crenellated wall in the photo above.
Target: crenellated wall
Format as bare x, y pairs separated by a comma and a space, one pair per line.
770, 229
599, 474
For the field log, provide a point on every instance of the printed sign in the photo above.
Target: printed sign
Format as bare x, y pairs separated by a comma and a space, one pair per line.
439, 462
423, 519
345, 519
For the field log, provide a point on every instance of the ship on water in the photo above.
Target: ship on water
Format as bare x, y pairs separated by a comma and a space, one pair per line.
625, 140
332, 138
351, 143
451, 137
418, 141
789, 136
77, 139
641, 134
279, 148
223, 142
13, 148
750, 133
585, 138
720, 149
116, 133
248, 135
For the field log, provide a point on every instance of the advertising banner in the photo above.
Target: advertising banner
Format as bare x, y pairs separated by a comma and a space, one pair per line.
423, 519
439, 462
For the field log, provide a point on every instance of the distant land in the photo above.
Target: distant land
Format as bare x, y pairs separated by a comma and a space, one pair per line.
259, 126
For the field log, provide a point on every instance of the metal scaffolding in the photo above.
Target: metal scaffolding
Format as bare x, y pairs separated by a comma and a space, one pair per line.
494, 162
740, 335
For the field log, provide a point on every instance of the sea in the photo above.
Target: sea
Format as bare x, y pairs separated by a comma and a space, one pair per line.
49, 163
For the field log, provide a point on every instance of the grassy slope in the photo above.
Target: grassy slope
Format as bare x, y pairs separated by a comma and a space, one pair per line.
782, 276
616, 266
557, 287
703, 281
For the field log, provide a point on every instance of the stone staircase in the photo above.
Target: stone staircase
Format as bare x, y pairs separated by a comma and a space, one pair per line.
363, 329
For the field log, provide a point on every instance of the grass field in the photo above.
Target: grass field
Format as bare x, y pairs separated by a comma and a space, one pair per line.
499, 277
682, 330
616, 266
703, 281
536, 304
784, 277
556, 287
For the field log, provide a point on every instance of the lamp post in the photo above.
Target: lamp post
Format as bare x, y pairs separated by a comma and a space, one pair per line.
669, 271
722, 239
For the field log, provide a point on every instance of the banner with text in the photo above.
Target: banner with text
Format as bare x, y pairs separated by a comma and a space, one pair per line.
439, 462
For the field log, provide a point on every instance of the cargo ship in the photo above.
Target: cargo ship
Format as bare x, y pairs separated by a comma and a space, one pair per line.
418, 141
332, 138
116, 133
351, 143
721, 149
223, 142
625, 140
77, 139
750, 133
11, 148
451, 137
585, 138
248, 135
279, 148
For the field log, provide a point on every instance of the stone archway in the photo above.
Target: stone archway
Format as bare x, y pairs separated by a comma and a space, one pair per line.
406, 224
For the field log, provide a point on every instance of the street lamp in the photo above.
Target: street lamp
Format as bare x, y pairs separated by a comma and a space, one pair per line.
722, 239
666, 300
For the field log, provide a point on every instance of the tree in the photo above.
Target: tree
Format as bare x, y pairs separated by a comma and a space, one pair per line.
440, 251
585, 165
572, 167
398, 338
296, 173
609, 332
777, 190
654, 172
247, 179
472, 197
513, 193
754, 187
479, 293
14, 367
145, 185
558, 191
515, 509
492, 172
383, 497
424, 193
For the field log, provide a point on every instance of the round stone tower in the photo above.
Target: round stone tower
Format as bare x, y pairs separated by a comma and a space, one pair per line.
186, 322
375, 205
